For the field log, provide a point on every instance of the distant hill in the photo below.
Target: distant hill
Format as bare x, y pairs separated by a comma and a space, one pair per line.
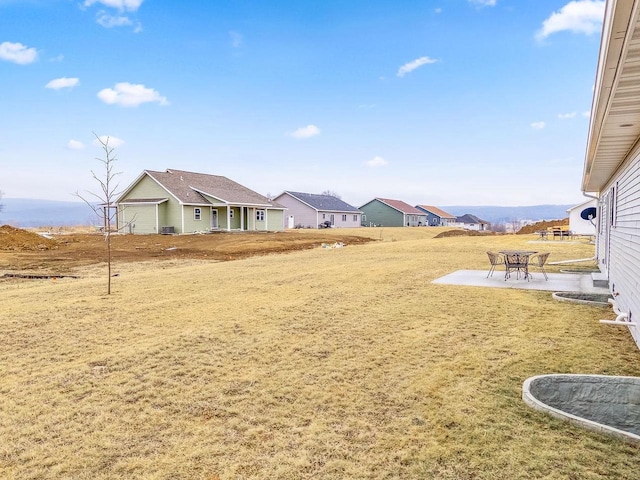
28, 212
22, 212
496, 214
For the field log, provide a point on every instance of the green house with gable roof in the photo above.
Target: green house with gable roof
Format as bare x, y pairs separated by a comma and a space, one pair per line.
177, 201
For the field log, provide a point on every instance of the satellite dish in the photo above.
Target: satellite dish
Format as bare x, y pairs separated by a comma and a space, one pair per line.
588, 213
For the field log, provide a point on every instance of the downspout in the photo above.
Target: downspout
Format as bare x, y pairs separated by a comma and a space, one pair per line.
622, 318
597, 199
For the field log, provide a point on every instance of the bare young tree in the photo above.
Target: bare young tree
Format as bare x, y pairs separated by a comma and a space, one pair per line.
105, 209
331, 193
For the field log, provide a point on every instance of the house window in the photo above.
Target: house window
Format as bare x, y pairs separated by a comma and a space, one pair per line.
197, 213
260, 215
231, 213
355, 218
344, 218
324, 216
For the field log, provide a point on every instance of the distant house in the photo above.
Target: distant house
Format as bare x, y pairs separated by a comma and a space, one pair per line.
437, 217
612, 161
176, 201
308, 210
577, 224
471, 222
391, 213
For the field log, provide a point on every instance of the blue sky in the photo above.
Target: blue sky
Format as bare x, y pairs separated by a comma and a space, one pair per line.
443, 102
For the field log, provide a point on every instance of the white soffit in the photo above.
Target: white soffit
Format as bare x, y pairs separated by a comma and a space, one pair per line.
615, 115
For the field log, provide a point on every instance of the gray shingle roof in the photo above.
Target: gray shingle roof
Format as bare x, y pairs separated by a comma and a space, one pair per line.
187, 187
468, 218
323, 202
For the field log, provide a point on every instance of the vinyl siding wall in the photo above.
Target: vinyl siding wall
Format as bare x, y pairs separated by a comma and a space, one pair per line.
275, 220
624, 240
192, 225
303, 215
338, 222
577, 224
169, 212
380, 214
140, 218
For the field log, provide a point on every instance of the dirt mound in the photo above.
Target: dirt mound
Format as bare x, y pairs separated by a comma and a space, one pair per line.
540, 226
463, 233
16, 239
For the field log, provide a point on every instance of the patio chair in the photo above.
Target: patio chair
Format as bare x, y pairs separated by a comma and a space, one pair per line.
516, 262
538, 260
495, 259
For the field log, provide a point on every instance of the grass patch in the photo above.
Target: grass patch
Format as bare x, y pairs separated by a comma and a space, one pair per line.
323, 363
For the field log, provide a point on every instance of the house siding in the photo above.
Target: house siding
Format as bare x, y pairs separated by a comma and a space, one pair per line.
170, 213
338, 222
577, 224
433, 220
303, 215
191, 224
138, 219
380, 214
623, 263
275, 220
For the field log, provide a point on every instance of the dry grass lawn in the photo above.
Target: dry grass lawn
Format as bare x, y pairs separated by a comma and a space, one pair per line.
322, 364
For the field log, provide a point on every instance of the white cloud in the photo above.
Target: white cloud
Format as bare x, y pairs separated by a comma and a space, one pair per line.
578, 16
411, 66
565, 116
484, 3
438, 10
110, 21
113, 141
130, 95
122, 5
586, 114
306, 132
17, 53
64, 82
236, 39
376, 162
538, 125
75, 145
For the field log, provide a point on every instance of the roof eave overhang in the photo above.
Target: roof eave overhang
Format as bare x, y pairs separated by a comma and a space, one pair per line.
615, 113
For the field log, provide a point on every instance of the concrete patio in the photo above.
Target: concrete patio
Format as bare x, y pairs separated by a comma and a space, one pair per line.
558, 282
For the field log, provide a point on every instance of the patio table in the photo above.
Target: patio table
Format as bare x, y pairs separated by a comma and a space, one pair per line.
517, 260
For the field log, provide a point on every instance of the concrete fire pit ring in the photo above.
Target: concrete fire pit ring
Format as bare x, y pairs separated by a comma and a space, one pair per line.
603, 403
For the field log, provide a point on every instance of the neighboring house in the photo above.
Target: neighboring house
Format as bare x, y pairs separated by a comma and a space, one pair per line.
176, 201
471, 222
437, 217
385, 212
612, 160
577, 224
308, 210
